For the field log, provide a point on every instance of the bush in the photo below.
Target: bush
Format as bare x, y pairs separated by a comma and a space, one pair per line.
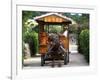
32, 39
84, 43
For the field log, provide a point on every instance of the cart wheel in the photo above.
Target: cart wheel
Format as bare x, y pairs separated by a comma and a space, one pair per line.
42, 60
65, 59
53, 63
68, 57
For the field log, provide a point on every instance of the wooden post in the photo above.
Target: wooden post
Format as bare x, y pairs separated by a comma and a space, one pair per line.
48, 28
68, 42
41, 26
41, 29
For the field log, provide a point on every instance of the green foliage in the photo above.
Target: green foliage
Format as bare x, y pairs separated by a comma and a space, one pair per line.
73, 29
80, 18
82, 21
84, 43
32, 39
55, 28
30, 36
28, 15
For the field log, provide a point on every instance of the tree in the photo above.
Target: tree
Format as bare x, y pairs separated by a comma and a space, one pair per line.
84, 43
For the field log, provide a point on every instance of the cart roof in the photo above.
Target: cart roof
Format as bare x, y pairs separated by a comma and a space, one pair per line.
54, 17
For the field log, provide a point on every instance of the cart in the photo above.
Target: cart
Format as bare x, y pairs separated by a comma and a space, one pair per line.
44, 22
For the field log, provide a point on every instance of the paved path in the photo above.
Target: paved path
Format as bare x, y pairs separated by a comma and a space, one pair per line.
76, 59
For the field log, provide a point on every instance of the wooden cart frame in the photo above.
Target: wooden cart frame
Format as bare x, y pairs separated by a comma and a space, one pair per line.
52, 19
